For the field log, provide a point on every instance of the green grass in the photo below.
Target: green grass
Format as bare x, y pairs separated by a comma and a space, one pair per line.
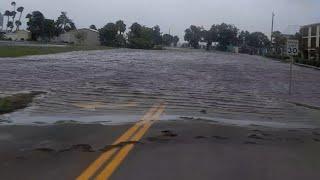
15, 102
18, 51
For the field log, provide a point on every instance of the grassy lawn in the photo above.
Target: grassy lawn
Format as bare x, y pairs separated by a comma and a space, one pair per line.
18, 51
15, 102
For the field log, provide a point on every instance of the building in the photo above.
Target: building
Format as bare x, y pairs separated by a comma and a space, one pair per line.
85, 36
20, 35
310, 41
1, 21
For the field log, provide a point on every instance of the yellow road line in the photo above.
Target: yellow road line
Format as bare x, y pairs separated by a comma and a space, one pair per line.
120, 156
93, 167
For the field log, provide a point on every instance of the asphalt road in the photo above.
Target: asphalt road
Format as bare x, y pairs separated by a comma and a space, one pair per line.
189, 149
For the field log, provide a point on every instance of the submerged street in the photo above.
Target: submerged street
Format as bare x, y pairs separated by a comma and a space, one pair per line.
172, 114
110, 85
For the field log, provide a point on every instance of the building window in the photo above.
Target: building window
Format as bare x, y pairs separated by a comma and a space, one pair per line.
313, 42
313, 30
305, 31
305, 43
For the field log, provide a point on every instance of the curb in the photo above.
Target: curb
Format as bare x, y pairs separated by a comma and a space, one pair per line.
307, 66
305, 105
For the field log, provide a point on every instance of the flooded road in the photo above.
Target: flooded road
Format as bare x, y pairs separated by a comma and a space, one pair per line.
117, 86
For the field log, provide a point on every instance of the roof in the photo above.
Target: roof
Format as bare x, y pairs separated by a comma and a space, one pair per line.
308, 25
82, 29
88, 29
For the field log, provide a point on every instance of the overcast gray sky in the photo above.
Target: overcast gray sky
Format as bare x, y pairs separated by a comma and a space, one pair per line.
252, 15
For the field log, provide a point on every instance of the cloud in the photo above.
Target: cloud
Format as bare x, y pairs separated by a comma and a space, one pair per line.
177, 15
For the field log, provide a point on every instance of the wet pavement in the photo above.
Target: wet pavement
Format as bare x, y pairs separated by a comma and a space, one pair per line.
169, 150
116, 86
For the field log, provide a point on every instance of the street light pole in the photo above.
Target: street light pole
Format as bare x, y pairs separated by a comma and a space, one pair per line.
290, 80
271, 37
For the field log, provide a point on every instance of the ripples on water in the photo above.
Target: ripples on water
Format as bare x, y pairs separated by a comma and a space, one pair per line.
101, 83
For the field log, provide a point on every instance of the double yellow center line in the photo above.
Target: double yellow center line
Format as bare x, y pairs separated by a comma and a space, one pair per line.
104, 166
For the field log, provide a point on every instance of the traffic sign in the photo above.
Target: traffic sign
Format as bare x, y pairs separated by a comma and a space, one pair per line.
292, 47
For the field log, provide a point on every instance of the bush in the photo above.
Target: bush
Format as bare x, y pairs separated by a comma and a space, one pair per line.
315, 63
15, 102
277, 56
158, 47
140, 43
2, 36
140, 37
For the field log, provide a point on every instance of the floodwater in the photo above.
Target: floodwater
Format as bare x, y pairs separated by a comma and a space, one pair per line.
119, 85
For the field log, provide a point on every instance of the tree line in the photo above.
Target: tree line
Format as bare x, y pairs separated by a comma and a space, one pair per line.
112, 34
46, 29
229, 35
139, 36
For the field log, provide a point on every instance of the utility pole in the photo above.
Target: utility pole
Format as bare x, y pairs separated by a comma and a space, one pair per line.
271, 37
290, 77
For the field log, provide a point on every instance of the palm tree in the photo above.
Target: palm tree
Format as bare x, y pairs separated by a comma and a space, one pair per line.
93, 27
121, 27
64, 24
20, 10
28, 16
14, 5
8, 14
13, 13
10, 25
18, 24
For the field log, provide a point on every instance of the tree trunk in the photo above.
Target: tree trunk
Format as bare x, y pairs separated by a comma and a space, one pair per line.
18, 26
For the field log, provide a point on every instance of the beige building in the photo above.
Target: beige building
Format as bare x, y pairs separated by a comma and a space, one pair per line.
20, 35
310, 41
88, 37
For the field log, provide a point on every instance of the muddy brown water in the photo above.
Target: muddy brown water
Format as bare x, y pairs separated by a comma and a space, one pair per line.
119, 85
